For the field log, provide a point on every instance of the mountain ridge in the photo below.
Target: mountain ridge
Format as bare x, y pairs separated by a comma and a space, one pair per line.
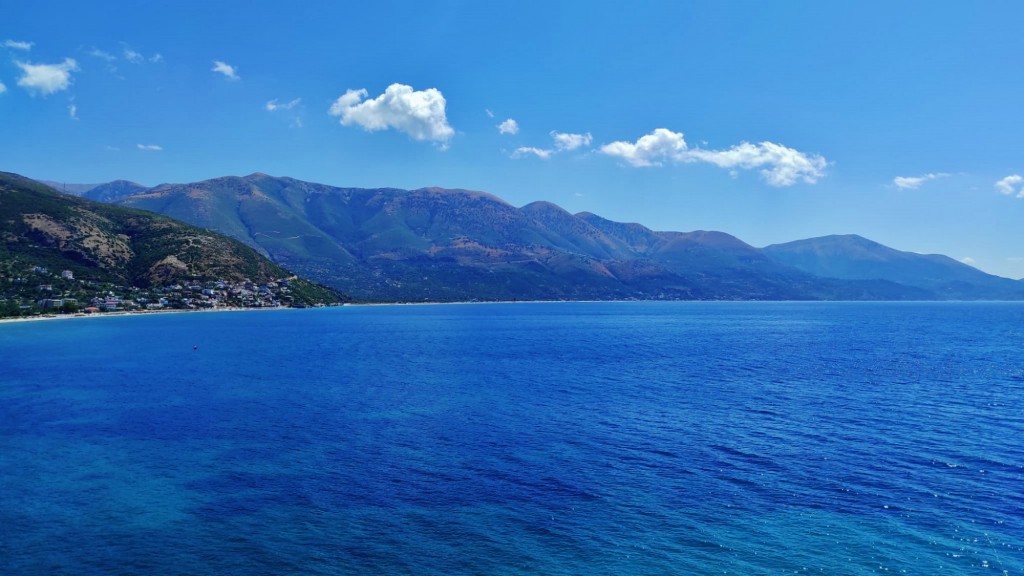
451, 244
850, 256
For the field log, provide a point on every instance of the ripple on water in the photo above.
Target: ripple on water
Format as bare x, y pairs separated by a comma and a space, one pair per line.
616, 438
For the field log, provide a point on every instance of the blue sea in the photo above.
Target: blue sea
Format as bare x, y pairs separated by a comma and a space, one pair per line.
547, 438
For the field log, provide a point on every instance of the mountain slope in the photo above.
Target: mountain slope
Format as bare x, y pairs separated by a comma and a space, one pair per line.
439, 244
104, 243
113, 191
380, 243
718, 265
852, 257
69, 188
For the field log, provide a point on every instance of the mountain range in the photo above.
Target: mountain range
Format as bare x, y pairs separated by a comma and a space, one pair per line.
103, 243
439, 244
853, 257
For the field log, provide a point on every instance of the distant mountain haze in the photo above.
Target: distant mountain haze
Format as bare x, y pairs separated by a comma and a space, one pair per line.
106, 192
439, 244
66, 188
854, 257
113, 191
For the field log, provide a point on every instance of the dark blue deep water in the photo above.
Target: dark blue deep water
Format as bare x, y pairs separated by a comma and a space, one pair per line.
575, 438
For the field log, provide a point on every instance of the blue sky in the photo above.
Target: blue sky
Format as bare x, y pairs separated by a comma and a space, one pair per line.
772, 121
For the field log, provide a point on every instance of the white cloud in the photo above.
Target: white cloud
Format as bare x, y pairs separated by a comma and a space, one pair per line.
969, 261
2, 88
914, 182
17, 45
565, 142
97, 53
1011, 185
130, 55
226, 69
418, 113
133, 56
509, 126
527, 150
275, 105
149, 147
489, 113
347, 100
780, 165
73, 111
46, 78
651, 149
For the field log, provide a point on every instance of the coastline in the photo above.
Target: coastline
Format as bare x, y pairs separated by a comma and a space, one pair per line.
79, 315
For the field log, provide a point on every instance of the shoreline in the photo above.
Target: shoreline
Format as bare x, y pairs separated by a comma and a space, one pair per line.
79, 315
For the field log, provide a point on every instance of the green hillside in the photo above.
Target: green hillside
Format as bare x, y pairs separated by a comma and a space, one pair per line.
101, 246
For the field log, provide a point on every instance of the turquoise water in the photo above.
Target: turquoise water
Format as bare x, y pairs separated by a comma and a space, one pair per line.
584, 438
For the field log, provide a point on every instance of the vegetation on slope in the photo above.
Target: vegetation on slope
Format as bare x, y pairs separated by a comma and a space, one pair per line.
436, 244
108, 245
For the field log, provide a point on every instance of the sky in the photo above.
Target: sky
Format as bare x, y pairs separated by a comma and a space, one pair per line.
772, 121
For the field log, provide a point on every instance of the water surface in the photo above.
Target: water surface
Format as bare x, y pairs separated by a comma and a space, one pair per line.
570, 438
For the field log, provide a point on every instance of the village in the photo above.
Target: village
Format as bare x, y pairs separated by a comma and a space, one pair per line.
40, 291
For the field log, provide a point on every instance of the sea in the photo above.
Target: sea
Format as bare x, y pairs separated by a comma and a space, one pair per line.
519, 438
